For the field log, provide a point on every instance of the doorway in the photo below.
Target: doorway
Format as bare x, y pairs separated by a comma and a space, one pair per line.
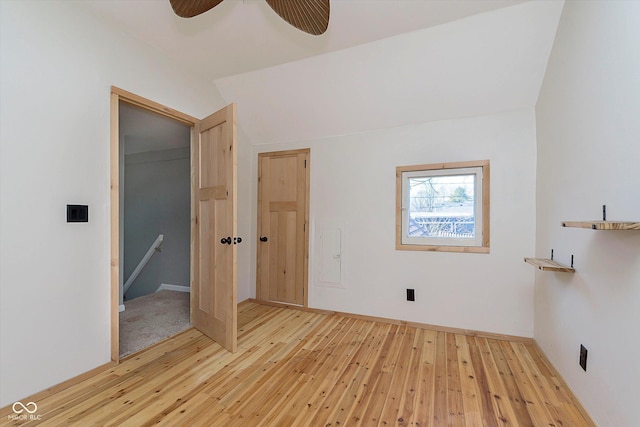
212, 263
155, 171
283, 226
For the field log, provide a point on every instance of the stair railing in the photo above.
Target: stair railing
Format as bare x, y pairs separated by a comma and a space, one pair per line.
155, 247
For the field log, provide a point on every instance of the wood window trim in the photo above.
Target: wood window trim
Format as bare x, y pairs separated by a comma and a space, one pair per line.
484, 249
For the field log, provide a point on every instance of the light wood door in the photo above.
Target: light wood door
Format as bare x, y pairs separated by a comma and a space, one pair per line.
283, 216
213, 217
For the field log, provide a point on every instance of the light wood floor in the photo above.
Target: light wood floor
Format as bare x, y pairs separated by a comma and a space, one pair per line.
307, 369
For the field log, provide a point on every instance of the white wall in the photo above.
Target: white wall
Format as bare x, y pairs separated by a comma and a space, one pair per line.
353, 183
57, 64
588, 151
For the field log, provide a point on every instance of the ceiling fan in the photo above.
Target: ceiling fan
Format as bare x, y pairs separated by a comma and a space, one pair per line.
310, 16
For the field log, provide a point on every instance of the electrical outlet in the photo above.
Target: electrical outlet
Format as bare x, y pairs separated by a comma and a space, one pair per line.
583, 357
411, 295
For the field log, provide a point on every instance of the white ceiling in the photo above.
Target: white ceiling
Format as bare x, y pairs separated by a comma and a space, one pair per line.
479, 65
381, 63
243, 35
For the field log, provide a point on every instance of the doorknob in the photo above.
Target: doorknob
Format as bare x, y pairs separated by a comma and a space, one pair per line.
263, 239
226, 240
237, 240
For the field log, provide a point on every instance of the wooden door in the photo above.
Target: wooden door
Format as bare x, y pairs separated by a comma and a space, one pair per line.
213, 219
283, 216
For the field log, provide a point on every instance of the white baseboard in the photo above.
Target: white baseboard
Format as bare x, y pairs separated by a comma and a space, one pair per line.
177, 288
120, 308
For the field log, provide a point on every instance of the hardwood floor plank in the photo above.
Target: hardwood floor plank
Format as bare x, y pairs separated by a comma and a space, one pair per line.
535, 407
331, 388
441, 382
546, 393
132, 385
330, 357
369, 374
372, 365
308, 399
407, 405
487, 412
387, 361
259, 370
79, 398
188, 413
455, 395
516, 400
251, 407
364, 371
497, 392
346, 374
300, 368
424, 405
469, 384
156, 393
392, 409
569, 402
180, 391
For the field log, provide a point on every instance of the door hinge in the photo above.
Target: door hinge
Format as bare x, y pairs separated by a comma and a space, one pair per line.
305, 164
304, 227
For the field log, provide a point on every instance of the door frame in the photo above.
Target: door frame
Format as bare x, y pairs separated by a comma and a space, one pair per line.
118, 95
307, 151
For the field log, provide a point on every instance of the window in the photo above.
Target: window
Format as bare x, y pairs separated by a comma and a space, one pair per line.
443, 207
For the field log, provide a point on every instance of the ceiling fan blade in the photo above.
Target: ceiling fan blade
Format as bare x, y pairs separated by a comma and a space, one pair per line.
310, 16
191, 8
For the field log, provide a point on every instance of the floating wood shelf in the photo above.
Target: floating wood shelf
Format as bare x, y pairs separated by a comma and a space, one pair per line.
546, 264
603, 225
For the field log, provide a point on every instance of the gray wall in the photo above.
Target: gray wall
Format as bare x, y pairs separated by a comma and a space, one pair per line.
157, 201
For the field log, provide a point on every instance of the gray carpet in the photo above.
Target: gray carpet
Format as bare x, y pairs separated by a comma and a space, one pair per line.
152, 318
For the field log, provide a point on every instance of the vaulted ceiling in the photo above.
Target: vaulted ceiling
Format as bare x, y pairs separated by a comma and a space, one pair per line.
243, 35
381, 63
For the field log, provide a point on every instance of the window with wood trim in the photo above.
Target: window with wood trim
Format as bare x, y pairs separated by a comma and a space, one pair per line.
443, 207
